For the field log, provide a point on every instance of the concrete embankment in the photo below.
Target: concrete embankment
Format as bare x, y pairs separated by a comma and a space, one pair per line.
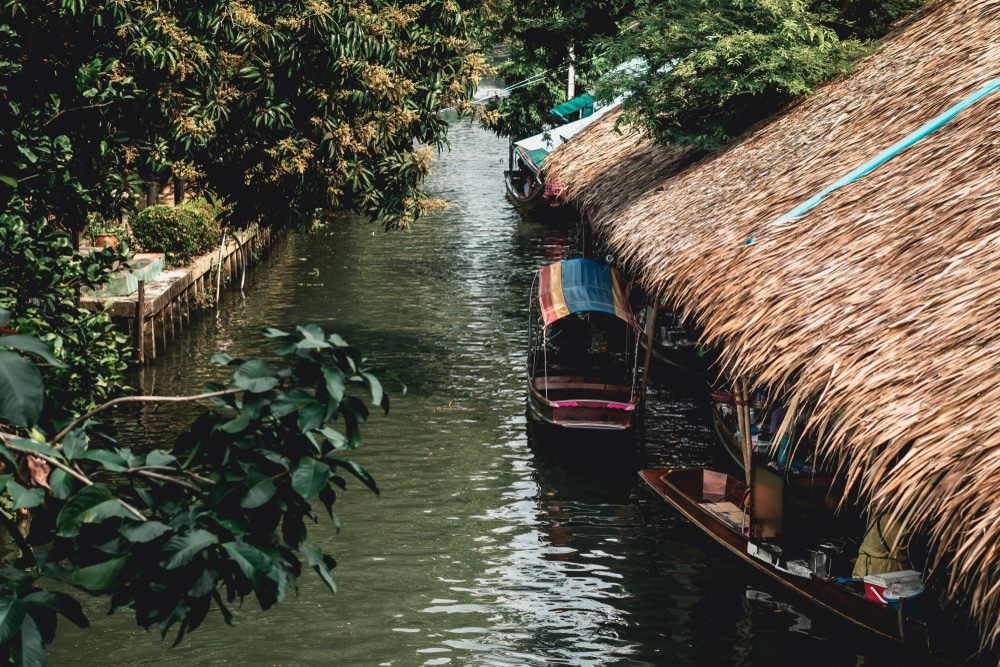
156, 306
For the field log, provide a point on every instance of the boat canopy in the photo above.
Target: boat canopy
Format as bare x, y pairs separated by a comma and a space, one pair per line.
533, 150
582, 103
582, 285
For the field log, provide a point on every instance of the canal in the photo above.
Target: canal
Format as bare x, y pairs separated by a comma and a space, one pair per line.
487, 546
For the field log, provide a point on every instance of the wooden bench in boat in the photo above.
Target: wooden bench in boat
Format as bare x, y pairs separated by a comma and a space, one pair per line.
579, 382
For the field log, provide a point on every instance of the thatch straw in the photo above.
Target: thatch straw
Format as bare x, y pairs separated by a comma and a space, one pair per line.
878, 306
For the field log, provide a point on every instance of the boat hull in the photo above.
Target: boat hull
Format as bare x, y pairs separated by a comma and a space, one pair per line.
685, 491
582, 405
515, 191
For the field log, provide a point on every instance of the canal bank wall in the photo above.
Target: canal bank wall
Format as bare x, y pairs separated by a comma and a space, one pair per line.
162, 306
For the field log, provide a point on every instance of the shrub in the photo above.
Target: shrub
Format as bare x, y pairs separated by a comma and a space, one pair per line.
179, 232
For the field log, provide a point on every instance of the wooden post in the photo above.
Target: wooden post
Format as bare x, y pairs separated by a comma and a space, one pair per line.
140, 315
650, 332
743, 412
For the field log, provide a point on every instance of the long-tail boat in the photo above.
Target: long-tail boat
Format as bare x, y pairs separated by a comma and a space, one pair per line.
583, 347
749, 526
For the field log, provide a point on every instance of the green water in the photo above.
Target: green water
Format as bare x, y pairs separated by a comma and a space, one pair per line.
486, 547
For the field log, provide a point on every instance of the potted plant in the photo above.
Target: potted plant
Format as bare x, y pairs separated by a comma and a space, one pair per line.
104, 232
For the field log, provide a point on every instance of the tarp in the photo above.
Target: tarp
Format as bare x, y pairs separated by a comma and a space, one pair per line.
582, 285
584, 102
533, 150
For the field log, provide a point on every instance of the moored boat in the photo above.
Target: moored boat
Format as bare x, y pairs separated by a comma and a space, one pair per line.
723, 507
583, 344
675, 342
808, 484
523, 177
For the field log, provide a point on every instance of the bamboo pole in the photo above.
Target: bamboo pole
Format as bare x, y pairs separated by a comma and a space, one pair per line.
650, 332
743, 412
140, 315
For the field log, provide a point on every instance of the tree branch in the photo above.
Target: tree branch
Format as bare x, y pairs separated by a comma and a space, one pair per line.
86, 481
138, 399
84, 108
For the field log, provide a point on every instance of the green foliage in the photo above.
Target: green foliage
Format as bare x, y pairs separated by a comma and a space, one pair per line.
281, 107
539, 35
180, 232
717, 67
40, 279
220, 516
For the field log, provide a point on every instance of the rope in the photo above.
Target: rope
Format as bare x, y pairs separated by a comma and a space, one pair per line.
898, 147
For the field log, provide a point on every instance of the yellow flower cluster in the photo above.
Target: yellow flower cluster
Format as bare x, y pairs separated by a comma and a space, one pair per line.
186, 171
245, 16
130, 154
401, 16
382, 81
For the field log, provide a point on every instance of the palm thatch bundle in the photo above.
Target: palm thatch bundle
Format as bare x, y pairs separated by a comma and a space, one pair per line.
878, 307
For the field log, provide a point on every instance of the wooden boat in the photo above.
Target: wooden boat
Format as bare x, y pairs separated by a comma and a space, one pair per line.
527, 155
717, 504
808, 484
675, 342
583, 345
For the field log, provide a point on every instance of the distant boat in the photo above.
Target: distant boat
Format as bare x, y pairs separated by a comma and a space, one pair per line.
718, 504
525, 186
583, 344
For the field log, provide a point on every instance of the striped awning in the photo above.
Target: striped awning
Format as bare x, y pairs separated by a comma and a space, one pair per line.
582, 285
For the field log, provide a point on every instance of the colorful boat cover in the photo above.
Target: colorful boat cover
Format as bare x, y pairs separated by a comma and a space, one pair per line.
582, 285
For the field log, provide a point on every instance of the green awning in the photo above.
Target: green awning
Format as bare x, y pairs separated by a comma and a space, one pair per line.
532, 159
584, 102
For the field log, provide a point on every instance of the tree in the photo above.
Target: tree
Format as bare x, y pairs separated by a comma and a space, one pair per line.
717, 67
279, 107
217, 516
40, 280
544, 37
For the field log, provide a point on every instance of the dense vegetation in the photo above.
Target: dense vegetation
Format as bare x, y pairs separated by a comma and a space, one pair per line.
543, 38
218, 515
713, 67
179, 232
282, 108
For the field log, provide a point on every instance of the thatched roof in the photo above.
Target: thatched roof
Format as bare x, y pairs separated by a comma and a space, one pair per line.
879, 306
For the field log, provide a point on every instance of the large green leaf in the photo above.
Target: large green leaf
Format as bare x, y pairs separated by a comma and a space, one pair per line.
313, 338
65, 604
375, 389
180, 549
74, 444
21, 392
335, 384
30, 651
24, 498
258, 494
290, 401
355, 470
35, 446
32, 345
316, 560
145, 531
105, 576
61, 484
310, 477
106, 510
255, 376
12, 612
271, 332
252, 561
111, 460
311, 417
69, 520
